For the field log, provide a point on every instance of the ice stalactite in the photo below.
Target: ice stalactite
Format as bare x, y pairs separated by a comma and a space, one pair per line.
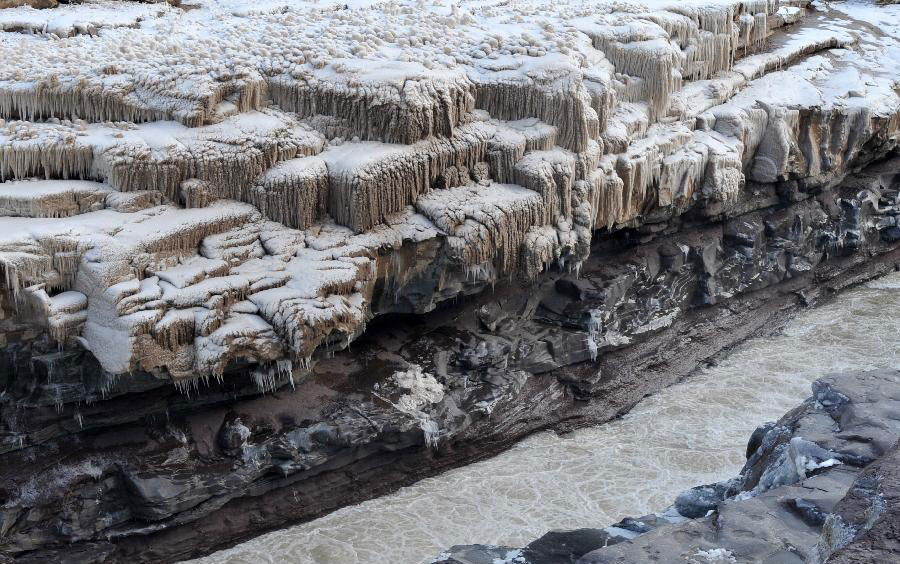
369, 181
771, 161
423, 107
587, 161
723, 178
311, 300
196, 193
539, 136
230, 156
610, 210
42, 263
175, 329
76, 101
830, 140
36, 305
92, 99
304, 324
485, 224
465, 147
560, 101
32, 150
656, 62
552, 174
241, 336
541, 248
602, 89
708, 54
505, 149
594, 328
630, 122
266, 378
746, 125
415, 393
293, 192
187, 235
512, 140
640, 168
753, 30
680, 175
585, 206
66, 314
51, 198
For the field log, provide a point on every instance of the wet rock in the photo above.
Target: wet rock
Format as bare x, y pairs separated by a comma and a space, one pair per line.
577, 289
700, 500
795, 468
865, 524
564, 547
811, 513
483, 353
477, 554
891, 234
490, 315
233, 434
803, 506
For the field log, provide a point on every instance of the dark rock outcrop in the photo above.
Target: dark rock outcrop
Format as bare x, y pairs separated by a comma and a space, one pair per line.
509, 245
820, 485
865, 525
142, 472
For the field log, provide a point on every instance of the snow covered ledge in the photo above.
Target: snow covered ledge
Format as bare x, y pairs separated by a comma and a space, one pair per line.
187, 188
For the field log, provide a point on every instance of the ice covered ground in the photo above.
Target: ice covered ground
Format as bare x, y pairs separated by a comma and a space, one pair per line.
226, 181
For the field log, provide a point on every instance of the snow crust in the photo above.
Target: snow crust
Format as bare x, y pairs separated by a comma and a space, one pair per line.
184, 188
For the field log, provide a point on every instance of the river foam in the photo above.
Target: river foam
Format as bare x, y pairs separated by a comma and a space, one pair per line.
692, 433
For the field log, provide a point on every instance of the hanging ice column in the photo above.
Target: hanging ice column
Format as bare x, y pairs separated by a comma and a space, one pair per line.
272, 173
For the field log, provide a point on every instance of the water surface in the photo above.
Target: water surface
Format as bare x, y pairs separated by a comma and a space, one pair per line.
692, 433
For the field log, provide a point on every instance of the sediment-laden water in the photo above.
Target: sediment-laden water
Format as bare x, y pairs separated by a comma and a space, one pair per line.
692, 433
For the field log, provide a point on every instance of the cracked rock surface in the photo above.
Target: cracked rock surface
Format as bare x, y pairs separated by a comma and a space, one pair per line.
820, 485
260, 252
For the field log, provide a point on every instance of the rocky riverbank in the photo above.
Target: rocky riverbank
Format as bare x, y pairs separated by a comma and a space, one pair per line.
820, 485
282, 284
153, 475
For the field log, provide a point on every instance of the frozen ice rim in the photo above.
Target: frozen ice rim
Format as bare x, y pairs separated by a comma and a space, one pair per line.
230, 181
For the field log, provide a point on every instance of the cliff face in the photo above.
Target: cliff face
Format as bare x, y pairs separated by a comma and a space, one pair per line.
821, 484
520, 217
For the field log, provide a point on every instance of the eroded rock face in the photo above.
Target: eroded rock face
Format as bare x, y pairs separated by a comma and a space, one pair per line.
415, 394
837, 501
506, 212
252, 181
863, 526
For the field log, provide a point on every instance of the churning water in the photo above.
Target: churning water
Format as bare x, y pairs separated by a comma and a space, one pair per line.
692, 433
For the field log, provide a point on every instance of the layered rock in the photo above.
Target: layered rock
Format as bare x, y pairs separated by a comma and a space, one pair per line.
607, 114
819, 485
225, 196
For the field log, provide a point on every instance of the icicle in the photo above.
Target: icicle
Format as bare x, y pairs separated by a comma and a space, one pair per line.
594, 324
362, 194
294, 192
379, 112
565, 104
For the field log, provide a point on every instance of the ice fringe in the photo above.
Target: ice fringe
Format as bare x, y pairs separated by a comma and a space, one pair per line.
507, 138
416, 392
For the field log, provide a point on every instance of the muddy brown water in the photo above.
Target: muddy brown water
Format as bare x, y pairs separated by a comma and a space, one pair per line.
692, 433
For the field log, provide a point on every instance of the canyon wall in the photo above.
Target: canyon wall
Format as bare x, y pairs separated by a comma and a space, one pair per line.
264, 260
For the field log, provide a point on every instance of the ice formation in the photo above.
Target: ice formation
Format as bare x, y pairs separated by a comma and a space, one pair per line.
183, 189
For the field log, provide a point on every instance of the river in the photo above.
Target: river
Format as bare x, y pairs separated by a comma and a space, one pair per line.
692, 433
